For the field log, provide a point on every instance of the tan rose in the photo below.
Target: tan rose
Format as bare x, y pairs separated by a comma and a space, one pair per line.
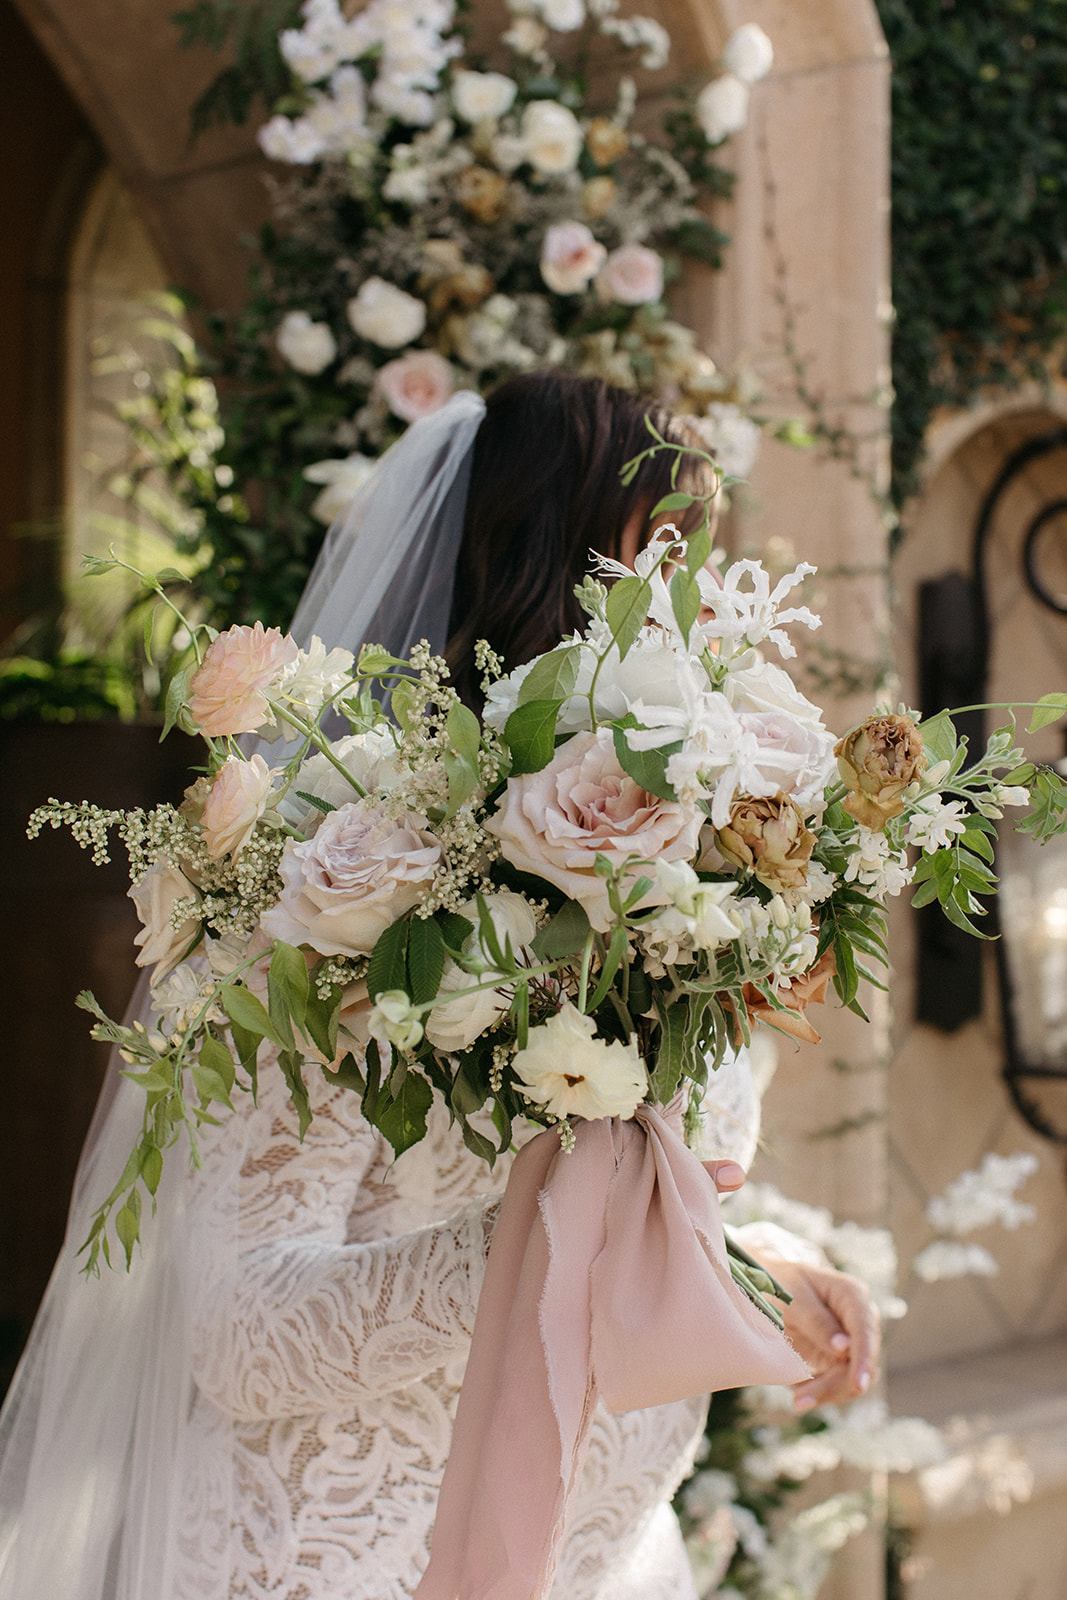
468, 286
155, 894
768, 837
598, 196
878, 761
482, 194
606, 141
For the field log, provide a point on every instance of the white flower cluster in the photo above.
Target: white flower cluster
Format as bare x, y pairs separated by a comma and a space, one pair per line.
863, 1436
979, 1198
876, 866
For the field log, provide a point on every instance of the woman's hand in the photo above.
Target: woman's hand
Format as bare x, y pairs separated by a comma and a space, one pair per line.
835, 1327
726, 1176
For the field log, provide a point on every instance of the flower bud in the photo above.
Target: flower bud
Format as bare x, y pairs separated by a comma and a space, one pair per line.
768, 838
394, 1020
878, 761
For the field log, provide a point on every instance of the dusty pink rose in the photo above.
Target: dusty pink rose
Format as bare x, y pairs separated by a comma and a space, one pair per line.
416, 384
227, 693
236, 801
631, 276
555, 822
360, 872
155, 894
570, 256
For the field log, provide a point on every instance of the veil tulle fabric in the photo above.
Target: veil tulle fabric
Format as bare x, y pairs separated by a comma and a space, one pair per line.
93, 1432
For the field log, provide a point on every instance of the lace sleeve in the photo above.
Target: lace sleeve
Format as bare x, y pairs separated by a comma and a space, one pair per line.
302, 1320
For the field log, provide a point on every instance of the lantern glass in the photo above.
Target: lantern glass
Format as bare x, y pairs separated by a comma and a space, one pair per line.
1032, 908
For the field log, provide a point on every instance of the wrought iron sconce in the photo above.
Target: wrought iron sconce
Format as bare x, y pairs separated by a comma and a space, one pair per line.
954, 650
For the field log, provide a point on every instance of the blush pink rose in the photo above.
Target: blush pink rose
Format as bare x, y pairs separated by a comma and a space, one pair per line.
362, 870
416, 384
228, 691
570, 257
236, 800
631, 276
554, 823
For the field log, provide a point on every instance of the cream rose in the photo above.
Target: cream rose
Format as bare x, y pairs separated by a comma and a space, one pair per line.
155, 894
722, 107
307, 346
482, 96
570, 257
360, 872
569, 1072
386, 315
371, 759
631, 276
227, 693
552, 137
416, 384
237, 799
454, 1024
554, 823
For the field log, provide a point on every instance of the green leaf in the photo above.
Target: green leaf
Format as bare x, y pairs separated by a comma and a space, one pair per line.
478, 1144
247, 1045
648, 768
152, 1167
1050, 708
531, 735
426, 959
679, 501
321, 1019
685, 601
697, 551
564, 935
467, 1095
347, 1075
403, 1122
128, 1229
291, 1065
627, 609
287, 989
939, 738
388, 963
456, 930
552, 677
402, 702
313, 800
617, 948
217, 1059
465, 732
670, 1056
176, 696
242, 1007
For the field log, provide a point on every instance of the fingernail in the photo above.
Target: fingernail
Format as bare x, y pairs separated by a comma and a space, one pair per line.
730, 1172
863, 1380
806, 1402
840, 1341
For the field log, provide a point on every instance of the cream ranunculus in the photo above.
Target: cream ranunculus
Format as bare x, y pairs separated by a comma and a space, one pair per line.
307, 346
554, 823
386, 315
227, 693
552, 136
482, 96
722, 107
570, 257
416, 384
155, 894
237, 799
362, 870
568, 1072
455, 1024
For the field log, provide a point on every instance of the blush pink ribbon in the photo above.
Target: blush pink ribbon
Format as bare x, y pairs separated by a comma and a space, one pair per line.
607, 1278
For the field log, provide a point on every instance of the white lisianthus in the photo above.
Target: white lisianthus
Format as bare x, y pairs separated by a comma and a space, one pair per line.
455, 1024
722, 107
482, 96
568, 1072
386, 315
157, 894
342, 479
552, 137
749, 53
394, 1021
308, 346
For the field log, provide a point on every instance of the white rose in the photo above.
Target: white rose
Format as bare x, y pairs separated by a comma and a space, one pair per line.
749, 54
308, 346
155, 894
386, 315
371, 759
722, 107
316, 676
570, 257
455, 1024
570, 1073
796, 751
564, 16
342, 480
552, 137
631, 276
416, 384
482, 96
362, 870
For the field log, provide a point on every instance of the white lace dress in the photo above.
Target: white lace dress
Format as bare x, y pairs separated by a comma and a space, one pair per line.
329, 1353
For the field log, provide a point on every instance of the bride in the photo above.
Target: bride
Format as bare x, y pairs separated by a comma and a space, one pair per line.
263, 1406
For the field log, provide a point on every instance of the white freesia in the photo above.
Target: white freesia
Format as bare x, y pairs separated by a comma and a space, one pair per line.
934, 822
181, 997
749, 53
342, 479
157, 894
386, 315
482, 96
455, 1024
552, 137
568, 1072
307, 346
722, 107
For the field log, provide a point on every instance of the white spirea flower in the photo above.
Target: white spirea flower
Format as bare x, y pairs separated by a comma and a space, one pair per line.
569, 1073
952, 1258
307, 346
934, 823
749, 53
386, 315
552, 137
482, 96
722, 107
985, 1195
342, 479
876, 866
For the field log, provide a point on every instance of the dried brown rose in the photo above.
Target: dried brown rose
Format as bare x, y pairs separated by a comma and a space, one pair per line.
879, 760
808, 990
598, 196
606, 141
768, 837
483, 194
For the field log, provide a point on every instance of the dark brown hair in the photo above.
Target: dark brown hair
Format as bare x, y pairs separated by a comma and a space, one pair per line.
544, 491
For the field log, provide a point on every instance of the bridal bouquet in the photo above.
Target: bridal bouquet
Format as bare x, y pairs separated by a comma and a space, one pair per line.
578, 902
